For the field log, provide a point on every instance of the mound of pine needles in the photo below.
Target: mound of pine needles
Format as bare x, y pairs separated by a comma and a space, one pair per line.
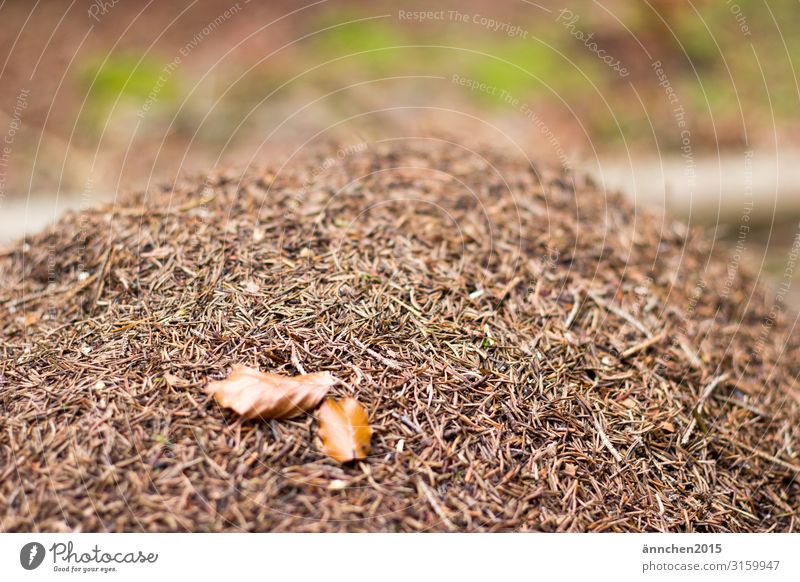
534, 354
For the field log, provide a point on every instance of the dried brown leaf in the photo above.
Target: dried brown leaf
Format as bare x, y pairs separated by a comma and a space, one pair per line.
344, 429
254, 394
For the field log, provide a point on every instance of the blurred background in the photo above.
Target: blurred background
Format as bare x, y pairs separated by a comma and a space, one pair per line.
687, 105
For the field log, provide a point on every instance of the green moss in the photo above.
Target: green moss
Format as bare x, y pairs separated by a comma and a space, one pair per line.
125, 76
373, 38
715, 93
125, 80
528, 67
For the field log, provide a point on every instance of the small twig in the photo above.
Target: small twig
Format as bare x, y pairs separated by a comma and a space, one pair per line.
480, 381
640, 347
764, 455
296, 361
102, 276
404, 304
603, 436
509, 287
716, 381
68, 291
694, 360
435, 504
574, 311
11, 303
388, 362
742, 404
621, 313
407, 421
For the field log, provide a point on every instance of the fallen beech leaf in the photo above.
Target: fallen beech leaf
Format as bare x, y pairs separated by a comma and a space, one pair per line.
256, 394
344, 429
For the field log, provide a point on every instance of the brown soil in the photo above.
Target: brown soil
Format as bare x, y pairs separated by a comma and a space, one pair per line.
533, 353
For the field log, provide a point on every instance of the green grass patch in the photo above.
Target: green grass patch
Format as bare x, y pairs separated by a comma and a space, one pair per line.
123, 80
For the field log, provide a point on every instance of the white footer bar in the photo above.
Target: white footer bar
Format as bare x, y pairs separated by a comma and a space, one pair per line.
407, 557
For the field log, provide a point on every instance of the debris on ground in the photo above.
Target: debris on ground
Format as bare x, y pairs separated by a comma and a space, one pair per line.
534, 354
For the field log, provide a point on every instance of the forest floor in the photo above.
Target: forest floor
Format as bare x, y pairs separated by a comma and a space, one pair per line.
533, 352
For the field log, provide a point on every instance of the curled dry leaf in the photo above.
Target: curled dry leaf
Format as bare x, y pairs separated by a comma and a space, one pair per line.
344, 429
256, 394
